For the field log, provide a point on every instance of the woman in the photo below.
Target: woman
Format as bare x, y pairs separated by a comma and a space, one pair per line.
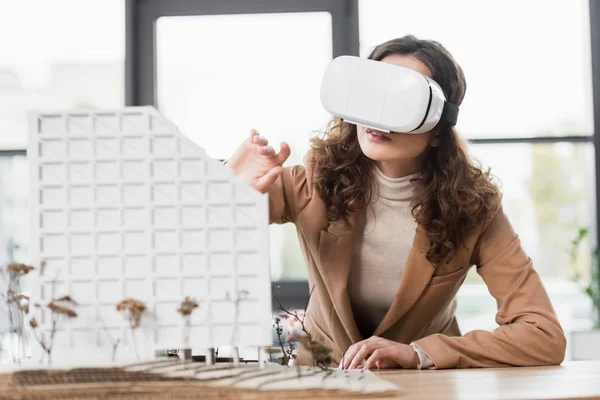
390, 225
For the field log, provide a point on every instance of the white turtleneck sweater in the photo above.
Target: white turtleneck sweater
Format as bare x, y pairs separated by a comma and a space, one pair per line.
383, 245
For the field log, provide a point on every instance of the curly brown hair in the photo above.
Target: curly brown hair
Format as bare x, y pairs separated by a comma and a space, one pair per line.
453, 196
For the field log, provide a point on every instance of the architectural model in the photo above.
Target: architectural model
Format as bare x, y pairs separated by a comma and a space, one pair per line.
141, 242
124, 206
162, 379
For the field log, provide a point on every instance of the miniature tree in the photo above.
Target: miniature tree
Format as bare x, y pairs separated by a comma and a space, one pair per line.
17, 304
187, 306
321, 354
115, 342
133, 309
287, 353
60, 308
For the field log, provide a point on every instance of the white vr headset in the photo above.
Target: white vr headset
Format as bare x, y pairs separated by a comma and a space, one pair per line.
384, 96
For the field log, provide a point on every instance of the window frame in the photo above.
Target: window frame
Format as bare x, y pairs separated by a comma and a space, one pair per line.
140, 31
140, 61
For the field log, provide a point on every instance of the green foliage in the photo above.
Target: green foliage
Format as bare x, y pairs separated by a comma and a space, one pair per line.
574, 251
555, 198
591, 287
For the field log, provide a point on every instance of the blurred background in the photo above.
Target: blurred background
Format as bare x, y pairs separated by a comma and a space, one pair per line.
219, 68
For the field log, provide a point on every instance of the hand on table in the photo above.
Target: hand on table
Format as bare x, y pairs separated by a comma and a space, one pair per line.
379, 353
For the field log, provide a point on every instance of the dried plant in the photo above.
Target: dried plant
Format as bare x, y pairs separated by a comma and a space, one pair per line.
321, 354
21, 300
16, 305
279, 331
133, 309
60, 308
115, 342
288, 353
19, 269
299, 318
187, 306
67, 299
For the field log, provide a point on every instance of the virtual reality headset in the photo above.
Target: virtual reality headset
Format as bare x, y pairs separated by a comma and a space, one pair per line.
384, 96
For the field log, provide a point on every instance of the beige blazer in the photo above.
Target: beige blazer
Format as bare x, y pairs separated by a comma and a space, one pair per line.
423, 308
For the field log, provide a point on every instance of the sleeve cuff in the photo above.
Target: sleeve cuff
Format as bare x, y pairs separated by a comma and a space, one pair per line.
424, 361
437, 350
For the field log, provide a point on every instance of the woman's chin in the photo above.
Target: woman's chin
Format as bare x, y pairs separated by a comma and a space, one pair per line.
377, 154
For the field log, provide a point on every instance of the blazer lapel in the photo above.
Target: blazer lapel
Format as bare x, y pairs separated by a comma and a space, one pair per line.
415, 277
336, 250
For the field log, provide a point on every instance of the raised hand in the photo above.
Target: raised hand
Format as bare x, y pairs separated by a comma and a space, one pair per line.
257, 162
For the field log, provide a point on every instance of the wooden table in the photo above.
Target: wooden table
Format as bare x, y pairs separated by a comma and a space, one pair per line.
573, 380
576, 380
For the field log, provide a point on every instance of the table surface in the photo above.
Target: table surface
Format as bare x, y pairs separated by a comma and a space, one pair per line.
572, 380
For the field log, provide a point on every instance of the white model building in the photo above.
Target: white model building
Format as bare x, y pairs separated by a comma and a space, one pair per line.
123, 205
